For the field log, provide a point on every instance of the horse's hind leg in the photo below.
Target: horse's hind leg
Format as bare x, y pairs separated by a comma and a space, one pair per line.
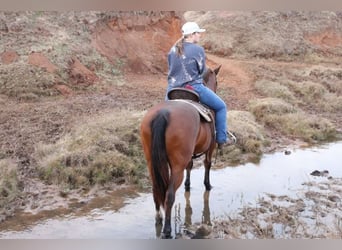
159, 217
175, 181
170, 199
187, 180
159, 223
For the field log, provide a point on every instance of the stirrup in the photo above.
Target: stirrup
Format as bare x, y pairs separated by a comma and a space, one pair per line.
232, 137
231, 141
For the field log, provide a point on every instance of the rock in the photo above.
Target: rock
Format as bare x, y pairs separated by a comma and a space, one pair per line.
9, 57
40, 60
202, 232
287, 152
333, 198
322, 173
64, 90
80, 74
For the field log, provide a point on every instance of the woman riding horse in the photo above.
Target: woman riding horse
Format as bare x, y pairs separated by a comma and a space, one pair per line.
172, 132
187, 63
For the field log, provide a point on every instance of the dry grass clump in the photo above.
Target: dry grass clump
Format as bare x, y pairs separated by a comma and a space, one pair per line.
250, 138
307, 91
266, 106
9, 183
332, 103
26, 82
103, 149
275, 89
316, 95
331, 78
283, 117
310, 128
334, 86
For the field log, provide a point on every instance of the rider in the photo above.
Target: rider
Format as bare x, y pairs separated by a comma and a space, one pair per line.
186, 62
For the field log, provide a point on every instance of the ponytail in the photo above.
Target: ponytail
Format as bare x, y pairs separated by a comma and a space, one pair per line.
179, 45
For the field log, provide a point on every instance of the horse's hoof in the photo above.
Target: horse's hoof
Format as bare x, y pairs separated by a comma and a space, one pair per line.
208, 187
187, 188
165, 236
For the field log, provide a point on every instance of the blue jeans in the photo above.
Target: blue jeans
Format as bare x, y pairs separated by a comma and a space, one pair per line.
213, 101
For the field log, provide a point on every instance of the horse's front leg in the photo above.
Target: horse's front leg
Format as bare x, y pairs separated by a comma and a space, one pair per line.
207, 165
187, 179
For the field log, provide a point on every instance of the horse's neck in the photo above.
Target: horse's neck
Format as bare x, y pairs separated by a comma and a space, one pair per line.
211, 85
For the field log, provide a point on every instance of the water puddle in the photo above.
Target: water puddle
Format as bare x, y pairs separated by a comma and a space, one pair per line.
233, 187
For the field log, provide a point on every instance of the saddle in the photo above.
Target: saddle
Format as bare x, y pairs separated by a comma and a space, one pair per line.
183, 93
191, 97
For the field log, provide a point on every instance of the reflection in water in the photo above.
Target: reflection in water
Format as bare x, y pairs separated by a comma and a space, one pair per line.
188, 209
179, 225
206, 210
159, 227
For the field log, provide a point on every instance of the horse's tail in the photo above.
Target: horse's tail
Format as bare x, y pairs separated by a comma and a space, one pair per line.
159, 156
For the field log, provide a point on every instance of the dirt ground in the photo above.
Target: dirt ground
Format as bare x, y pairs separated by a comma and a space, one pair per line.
314, 214
26, 120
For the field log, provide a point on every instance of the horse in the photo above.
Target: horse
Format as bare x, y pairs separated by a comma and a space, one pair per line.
172, 134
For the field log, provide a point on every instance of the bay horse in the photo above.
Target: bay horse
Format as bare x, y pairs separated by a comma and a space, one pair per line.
172, 133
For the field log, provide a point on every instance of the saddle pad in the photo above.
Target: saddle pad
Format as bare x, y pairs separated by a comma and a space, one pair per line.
204, 112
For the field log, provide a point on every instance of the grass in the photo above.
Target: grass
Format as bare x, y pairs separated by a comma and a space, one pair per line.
316, 95
59, 37
308, 91
324, 96
9, 183
101, 150
290, 121
25, 82
265, 106
251, 138
275, 89
309, 128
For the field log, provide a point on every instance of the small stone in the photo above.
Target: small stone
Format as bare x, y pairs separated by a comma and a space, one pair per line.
333, 198
287, 152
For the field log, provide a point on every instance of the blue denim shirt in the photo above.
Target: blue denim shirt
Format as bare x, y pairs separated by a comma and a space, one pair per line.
186, 68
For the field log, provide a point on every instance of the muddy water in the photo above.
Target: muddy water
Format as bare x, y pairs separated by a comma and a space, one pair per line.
277, 173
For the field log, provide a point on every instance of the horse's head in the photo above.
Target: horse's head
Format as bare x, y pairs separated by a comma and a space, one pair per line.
210, 79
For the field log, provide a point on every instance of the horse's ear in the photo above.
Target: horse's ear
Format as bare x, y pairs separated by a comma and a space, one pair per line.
216, 70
